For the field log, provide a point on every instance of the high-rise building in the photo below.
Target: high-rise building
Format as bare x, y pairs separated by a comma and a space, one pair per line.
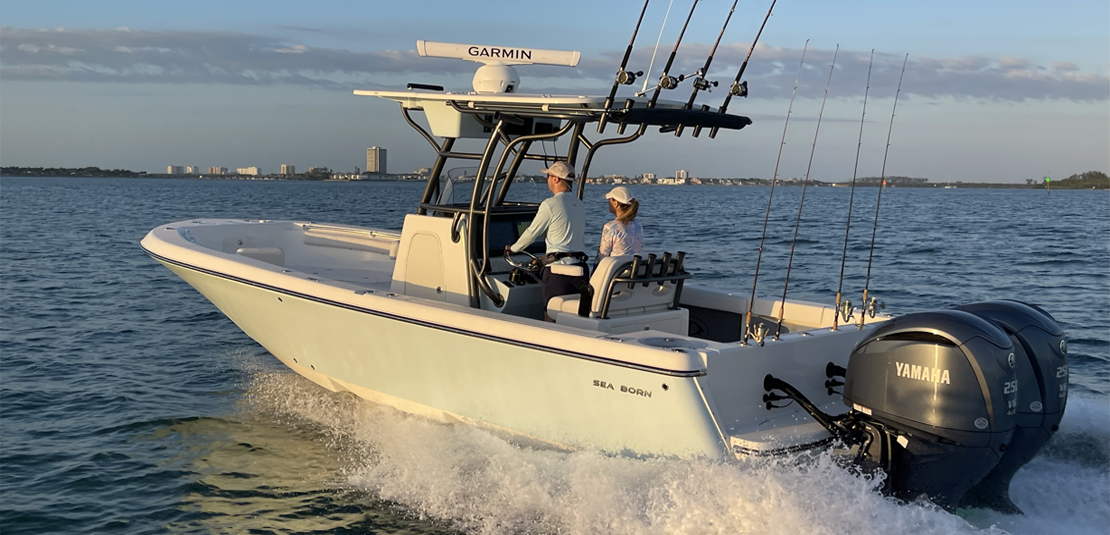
217, 170
253, 171
649, 176
192, 170
175, 170
375, 160
287, 169
681, 174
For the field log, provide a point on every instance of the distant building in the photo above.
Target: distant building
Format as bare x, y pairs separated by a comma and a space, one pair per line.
217, 170
682, 175
175, 170
252, 171
649, 176
192, 170
375, 160
287, 169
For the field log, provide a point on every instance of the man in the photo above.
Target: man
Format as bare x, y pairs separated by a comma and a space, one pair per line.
562, 220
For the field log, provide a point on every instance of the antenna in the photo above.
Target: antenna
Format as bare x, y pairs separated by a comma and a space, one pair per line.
498, 55
656, 50
666, 81
497, 75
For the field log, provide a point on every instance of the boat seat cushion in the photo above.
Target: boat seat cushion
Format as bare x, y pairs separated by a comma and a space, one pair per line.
569, 270
628, 300
666, 320
569, 304
637, 299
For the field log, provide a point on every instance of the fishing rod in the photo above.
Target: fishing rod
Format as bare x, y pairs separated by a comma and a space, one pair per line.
666, 81
805, 183
623, 77
847, 312
700, 83
741, 89
748, 321
870, 307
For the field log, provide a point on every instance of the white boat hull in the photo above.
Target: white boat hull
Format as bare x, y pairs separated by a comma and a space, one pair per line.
568, 387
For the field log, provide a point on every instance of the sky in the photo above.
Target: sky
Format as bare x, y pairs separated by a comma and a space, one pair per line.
994, 91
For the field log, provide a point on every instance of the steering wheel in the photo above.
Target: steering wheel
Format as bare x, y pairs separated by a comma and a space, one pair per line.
535, 265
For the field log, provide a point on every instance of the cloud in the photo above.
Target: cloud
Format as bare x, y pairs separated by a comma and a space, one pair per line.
1064, 66
304, 29
35, 49
1015, 63
131, 55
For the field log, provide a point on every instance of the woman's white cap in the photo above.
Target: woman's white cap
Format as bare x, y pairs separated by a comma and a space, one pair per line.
621, 195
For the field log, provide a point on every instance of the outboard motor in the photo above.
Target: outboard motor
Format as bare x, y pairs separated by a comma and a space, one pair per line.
933, 398
943, 388
1042, 375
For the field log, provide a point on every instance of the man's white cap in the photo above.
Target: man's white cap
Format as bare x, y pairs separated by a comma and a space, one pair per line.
561, 170
621, 195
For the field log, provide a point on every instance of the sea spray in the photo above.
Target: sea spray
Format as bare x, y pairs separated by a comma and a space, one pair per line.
477, 482
1066, 488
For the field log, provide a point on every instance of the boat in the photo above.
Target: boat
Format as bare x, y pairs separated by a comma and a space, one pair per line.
435, 320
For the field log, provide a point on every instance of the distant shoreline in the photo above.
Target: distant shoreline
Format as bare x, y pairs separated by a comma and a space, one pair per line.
1085, 181
761, 183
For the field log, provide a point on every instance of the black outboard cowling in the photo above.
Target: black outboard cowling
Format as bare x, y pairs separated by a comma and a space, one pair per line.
936, 393
1042, 375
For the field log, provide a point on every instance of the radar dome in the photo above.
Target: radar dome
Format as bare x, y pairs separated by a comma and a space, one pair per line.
496, 79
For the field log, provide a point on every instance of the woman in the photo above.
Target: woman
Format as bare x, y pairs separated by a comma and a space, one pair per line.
623, 235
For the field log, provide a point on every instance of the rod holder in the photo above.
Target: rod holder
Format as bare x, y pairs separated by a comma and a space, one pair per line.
636, 260
649, 268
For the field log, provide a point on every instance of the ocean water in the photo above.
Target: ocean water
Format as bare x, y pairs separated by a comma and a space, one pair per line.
129, 404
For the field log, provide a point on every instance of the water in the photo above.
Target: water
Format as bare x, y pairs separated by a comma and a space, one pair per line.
129, 404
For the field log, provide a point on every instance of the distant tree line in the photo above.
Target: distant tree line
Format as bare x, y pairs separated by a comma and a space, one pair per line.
1086, 180
69, 171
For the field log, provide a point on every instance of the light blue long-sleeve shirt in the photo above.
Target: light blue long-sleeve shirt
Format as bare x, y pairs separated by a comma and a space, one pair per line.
562, 220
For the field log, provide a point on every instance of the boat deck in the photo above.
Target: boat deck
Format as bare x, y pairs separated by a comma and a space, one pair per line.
365, 278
